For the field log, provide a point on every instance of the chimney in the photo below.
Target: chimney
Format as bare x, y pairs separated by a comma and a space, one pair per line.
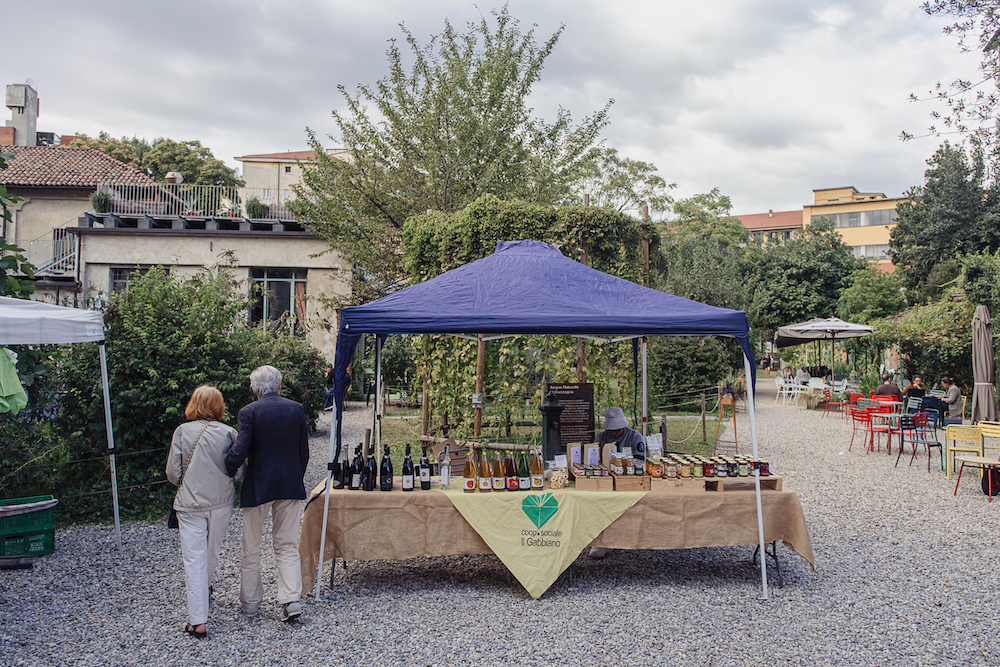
770, 212
22, 100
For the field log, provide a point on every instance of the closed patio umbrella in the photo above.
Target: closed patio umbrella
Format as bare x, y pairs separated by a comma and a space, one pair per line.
984, 399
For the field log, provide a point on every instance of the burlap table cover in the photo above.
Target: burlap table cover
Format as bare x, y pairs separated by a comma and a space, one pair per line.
379, 525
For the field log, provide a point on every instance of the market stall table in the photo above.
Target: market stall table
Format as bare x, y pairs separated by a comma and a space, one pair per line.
398, 525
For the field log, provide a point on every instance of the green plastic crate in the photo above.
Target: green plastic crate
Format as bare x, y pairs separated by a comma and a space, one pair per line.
39, 543
31, 534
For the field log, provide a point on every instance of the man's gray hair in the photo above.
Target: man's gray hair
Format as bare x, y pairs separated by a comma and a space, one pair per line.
265, 380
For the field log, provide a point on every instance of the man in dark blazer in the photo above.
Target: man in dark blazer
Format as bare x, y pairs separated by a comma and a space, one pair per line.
274, 435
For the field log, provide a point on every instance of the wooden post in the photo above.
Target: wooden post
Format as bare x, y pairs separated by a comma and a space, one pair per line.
581, 350
645, 244
704, 432
425, 406
664, 443
480, 370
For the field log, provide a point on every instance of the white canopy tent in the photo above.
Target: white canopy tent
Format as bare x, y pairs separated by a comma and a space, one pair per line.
24, 322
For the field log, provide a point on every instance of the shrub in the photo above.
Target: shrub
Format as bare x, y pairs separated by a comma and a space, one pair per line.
256, 209
101, 201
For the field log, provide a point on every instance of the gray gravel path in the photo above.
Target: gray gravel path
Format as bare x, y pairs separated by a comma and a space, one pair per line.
905, 575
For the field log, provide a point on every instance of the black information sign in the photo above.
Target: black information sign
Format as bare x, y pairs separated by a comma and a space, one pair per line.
577, 422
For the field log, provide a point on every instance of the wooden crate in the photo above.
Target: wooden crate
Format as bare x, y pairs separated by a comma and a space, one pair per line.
677, 485
772, 482
631, 482
595, 484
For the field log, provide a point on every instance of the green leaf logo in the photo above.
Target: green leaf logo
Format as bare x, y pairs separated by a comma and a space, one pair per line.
540, 508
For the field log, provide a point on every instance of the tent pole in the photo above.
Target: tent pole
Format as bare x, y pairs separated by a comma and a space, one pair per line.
379, 340
111, 441
645, 391
756, 476
334, 424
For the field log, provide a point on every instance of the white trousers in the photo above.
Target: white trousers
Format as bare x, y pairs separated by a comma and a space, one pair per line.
201, 538
285, 517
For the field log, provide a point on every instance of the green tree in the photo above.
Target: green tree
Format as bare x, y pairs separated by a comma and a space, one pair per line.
13, 264
804, 277
623, 184
871, 296
706, 255
437, 134
130, 151
949, 215
971, 105
194, 162
165, 335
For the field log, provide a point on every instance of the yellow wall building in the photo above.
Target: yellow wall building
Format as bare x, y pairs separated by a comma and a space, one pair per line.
864, 221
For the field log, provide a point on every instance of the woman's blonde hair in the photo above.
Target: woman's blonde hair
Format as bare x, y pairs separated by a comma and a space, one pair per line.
206, 403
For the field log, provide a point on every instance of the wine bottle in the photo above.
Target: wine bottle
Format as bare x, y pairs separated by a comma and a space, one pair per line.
408, 470
355, 482
385, 471
523, 476
499, 481
510, 471
425, 470
485, 476
537, 472
469, 481
369, 474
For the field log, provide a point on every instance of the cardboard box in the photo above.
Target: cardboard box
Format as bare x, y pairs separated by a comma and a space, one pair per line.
595, 484
677, 485
592, 454
631, 482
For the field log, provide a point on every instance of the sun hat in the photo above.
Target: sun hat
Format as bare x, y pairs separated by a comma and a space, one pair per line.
614, 419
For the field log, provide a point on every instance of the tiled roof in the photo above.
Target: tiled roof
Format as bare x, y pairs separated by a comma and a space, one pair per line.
771, 220
62, 166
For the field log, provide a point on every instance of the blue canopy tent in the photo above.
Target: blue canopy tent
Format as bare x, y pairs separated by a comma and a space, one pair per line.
529, 287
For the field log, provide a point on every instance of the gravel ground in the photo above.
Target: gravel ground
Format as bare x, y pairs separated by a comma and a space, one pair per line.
903, 574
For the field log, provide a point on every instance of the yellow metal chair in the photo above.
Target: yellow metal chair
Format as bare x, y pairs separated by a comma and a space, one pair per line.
961, 439
990, 430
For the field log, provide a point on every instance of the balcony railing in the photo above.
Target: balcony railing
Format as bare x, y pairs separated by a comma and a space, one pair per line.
53, 253
210, 201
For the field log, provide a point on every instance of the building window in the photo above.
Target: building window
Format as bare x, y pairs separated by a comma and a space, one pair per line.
878, 218
121, 278
277, 295
288, 168
265, 193
871, 252
287, 194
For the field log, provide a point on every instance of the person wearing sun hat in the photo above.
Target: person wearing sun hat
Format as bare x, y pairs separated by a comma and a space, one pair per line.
616, 430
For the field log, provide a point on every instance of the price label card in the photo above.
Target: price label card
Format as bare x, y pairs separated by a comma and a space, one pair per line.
477, 401
560, 461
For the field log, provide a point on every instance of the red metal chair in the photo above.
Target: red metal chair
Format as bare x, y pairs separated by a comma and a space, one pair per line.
828, 402
879, 423
861, 420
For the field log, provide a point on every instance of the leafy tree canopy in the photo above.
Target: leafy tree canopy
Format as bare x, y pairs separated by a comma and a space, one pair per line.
438, 134
622, 184
871, 296
971, 105
194, 162
950, 215
706, 253
803, 278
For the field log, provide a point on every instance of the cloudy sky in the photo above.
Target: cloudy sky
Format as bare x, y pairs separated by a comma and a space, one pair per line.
764, 99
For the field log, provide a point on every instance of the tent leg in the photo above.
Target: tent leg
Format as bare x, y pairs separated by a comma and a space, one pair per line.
111, 442
326, 504
378, 394
756, 473
645, 391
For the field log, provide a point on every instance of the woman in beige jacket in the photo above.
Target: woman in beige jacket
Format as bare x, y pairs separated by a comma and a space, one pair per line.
205, 497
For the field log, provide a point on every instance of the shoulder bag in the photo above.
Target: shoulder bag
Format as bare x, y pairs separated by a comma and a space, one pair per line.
172, 518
